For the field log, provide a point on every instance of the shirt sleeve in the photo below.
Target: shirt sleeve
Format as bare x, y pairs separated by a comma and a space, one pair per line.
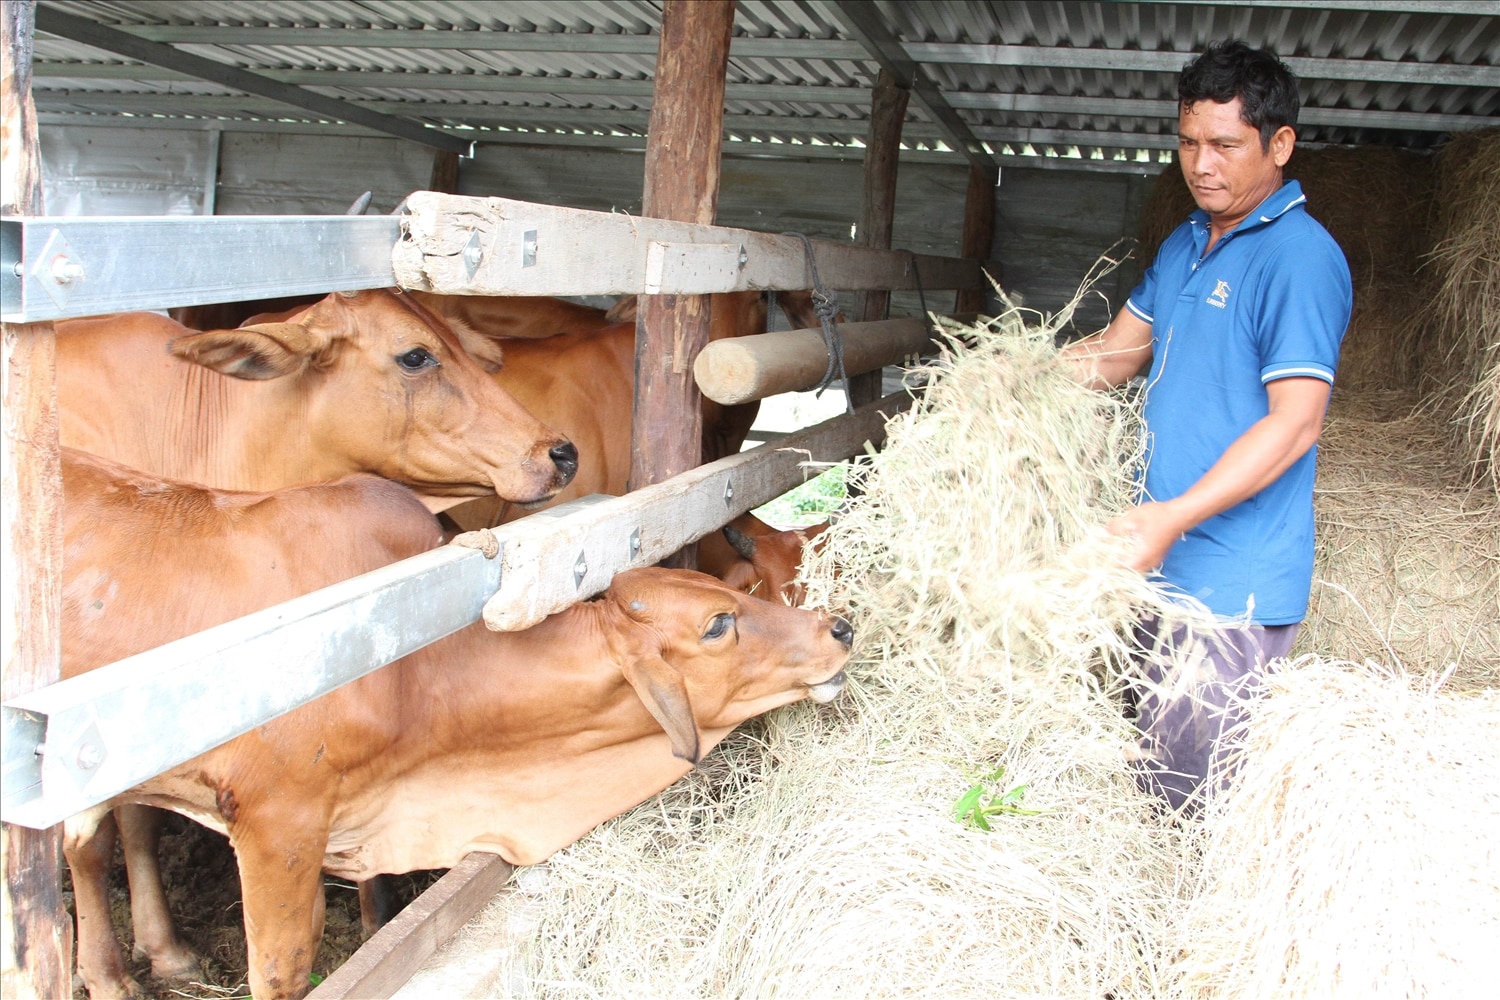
1305, 302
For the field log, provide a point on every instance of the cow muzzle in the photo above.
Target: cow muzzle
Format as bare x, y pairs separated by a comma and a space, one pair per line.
828, 690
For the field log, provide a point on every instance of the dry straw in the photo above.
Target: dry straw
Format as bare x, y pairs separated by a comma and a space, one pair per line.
817, 853
1408, 558
1463, 272
1355, 856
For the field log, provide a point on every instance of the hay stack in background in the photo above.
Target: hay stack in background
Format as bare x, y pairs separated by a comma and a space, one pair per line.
1374, 202
1463, 291
1408, 559
817, 852
1355, 855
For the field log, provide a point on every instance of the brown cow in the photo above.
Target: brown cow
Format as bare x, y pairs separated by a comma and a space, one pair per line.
369, 382
583, 384
514, 743
525, 316
755, 558
148, 560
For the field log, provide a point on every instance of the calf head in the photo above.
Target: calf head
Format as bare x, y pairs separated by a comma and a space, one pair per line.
378, 380
703, 656
769, 561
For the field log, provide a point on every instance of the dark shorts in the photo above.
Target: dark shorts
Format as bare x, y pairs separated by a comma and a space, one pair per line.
1191, 692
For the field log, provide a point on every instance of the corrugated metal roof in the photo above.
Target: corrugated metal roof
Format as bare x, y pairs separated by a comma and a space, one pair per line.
1090, 85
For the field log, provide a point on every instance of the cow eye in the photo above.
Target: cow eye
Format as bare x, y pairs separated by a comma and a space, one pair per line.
719, 626
416, 359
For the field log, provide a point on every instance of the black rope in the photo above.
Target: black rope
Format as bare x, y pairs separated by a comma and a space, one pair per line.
826, 305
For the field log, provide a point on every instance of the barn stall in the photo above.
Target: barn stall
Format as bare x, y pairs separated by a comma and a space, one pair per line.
1019, 111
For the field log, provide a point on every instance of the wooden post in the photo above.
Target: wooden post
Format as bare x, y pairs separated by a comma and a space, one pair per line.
877, 210
444, 172
36, 958
979, 232
681, 183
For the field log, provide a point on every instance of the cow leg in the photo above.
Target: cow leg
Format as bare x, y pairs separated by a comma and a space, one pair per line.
377, 903
280, 857
155, 935
89, 846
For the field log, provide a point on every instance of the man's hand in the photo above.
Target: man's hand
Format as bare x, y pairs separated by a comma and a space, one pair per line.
1152, 529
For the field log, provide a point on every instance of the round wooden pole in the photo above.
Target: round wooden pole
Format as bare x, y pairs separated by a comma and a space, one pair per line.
878, 207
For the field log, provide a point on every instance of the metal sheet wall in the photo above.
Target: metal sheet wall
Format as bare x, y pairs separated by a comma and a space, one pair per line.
124, 171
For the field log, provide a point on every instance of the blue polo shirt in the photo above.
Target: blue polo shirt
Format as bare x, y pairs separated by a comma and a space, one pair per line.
1271, 300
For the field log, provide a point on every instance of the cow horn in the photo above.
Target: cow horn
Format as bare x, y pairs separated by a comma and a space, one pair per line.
740, 542
360, 204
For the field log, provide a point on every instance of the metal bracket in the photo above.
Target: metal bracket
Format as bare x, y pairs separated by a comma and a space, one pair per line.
57, 269
473, 253
528, 248
580, 570
728, 492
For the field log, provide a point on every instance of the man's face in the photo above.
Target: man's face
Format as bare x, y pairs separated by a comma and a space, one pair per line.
1223, 162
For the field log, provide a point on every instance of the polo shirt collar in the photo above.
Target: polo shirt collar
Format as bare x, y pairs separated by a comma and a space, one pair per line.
1277, 204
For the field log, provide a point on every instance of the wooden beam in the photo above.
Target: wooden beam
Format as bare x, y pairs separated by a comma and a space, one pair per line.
863, 20
979, 233
444, 172
681, 183
37, 955
877, 209
81, 29
383, 964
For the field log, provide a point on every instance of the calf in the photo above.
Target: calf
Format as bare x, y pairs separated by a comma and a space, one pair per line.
514, 743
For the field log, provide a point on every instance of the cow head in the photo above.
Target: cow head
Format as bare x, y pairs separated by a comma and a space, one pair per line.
381, 382
769, 561
703, 656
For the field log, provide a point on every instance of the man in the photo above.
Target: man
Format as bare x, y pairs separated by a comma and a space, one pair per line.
1239, 320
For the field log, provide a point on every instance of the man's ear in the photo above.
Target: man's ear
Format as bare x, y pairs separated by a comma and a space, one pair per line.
662, 691
1283, 141
258, 352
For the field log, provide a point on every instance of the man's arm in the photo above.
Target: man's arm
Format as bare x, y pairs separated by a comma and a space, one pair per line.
1255, 460
1112, 356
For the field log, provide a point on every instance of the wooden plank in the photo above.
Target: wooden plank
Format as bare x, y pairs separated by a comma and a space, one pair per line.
383, 964
742, 369
582, 252
979, 233
877, 211
546, 568
37, 954
444, 172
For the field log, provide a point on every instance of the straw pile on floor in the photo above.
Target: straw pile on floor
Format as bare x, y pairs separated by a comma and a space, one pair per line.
1355, 856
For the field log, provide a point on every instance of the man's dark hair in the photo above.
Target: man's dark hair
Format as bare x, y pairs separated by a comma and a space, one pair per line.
1266, 88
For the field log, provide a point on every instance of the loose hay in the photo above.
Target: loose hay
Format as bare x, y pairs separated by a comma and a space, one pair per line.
817, 852
1355, 856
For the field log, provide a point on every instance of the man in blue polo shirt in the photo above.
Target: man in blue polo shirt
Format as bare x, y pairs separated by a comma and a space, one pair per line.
1237, 325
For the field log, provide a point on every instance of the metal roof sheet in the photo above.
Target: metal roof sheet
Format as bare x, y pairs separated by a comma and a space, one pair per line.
1093, 83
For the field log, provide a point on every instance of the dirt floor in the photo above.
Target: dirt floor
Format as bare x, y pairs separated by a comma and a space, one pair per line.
203, 891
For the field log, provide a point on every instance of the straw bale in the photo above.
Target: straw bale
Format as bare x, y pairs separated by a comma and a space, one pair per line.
1354, 857
1463, 295
1407, 565
1374, 202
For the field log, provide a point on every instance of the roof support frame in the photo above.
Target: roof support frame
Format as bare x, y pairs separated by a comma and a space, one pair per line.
81, 29
864, 22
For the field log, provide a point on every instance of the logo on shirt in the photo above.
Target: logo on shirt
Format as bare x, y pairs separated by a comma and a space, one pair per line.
1220, 295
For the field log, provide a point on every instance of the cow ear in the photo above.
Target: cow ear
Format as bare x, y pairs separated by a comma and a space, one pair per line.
482, 347
258, 352
665, 696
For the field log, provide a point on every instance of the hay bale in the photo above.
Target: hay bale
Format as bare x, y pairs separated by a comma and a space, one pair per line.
1355, 856
1407, 568
1463, 297
1385, 345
